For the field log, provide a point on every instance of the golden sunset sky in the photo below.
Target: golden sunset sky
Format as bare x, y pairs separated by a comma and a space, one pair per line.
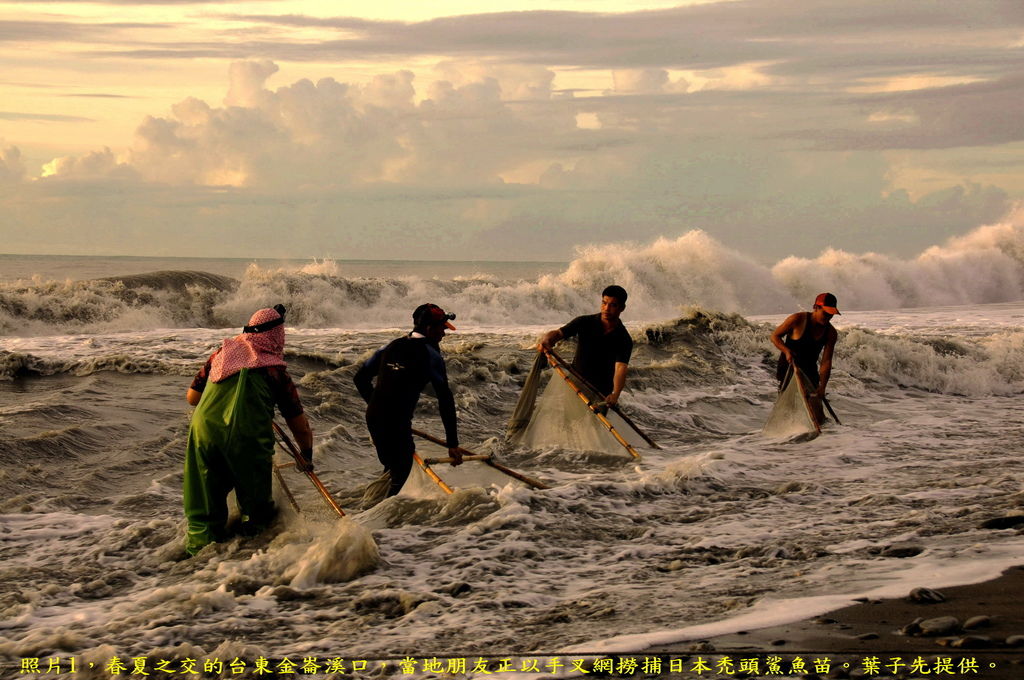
506, 130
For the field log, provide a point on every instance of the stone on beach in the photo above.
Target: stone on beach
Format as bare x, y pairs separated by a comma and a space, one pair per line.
942, 625
926, 596
977, 622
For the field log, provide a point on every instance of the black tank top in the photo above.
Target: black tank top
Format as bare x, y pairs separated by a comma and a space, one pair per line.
806, 349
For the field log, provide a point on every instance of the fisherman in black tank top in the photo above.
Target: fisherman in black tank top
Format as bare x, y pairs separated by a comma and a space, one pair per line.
803, 336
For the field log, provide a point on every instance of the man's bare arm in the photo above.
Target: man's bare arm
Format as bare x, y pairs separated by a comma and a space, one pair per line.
550, 339
299, 425
618, 382
784, 329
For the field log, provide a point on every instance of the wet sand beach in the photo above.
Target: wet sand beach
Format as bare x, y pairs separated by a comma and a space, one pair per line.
988, 627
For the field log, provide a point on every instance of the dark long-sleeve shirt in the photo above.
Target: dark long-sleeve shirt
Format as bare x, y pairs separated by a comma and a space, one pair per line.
402, 370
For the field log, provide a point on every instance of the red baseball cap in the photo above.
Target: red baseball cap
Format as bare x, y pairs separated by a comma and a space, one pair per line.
827, 301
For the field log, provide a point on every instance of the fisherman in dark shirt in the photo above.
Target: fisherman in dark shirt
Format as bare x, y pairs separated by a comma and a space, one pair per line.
604, 346
402, 369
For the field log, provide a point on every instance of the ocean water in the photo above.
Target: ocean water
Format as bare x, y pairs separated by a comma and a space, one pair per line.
719, 530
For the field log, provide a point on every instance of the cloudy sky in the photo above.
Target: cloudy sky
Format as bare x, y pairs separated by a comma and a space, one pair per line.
418, 130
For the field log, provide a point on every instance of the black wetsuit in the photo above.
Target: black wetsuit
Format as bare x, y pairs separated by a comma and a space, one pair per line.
597, 352
402, 369
806, 350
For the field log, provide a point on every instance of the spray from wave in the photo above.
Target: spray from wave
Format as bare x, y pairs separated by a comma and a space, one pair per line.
984, 266
663, 277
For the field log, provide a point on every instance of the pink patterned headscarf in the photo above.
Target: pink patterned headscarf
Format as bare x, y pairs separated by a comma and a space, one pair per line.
250, 350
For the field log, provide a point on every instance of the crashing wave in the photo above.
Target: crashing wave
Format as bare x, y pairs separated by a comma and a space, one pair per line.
662, 278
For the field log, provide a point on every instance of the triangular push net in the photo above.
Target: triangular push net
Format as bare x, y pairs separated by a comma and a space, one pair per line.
431, 476
565, 413
792, 415
429, 479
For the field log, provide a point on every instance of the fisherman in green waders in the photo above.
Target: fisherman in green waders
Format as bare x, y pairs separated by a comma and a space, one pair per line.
231, 439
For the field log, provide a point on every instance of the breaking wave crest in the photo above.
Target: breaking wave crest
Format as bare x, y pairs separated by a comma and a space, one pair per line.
663, 277
984, 266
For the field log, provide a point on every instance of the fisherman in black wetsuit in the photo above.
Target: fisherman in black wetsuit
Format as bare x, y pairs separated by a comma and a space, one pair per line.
402, 369
604, 347
803, 337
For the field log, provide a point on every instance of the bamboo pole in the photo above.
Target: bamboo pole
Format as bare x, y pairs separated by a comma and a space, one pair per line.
438, 461
433, 475
799, 376
831, 412
487, 459
290, 448
429, 438
785, 381
517, 475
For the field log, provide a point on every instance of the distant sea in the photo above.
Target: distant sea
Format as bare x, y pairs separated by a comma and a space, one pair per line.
60, 267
